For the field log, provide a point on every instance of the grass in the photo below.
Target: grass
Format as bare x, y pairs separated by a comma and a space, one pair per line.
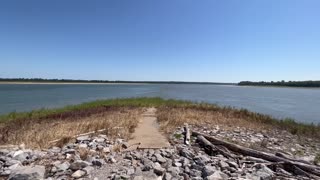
120, 117
131, 102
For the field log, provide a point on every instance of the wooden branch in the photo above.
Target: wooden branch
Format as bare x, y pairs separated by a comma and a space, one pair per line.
187, 135
258, 154
212, 149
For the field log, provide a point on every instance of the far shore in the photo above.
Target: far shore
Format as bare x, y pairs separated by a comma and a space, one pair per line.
67, 83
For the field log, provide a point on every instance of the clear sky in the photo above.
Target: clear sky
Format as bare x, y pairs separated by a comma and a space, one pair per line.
180, 40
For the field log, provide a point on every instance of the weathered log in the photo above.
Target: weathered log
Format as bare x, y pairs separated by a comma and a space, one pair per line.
187, 135
212, 149
279, 154
258, 154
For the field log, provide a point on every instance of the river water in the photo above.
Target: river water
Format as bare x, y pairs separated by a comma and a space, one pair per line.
301, 104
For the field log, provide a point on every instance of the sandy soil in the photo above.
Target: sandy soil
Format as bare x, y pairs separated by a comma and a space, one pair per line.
147, 134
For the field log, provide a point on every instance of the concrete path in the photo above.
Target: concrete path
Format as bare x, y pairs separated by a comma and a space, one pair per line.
147, 134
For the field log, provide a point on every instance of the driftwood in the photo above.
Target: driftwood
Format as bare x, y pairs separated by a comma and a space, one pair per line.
187, 135
312, 169
84, 134
212, 149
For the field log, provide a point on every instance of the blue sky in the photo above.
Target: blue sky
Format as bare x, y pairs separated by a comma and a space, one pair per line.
180, 40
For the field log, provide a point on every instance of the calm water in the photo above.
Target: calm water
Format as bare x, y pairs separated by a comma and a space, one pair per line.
301, 104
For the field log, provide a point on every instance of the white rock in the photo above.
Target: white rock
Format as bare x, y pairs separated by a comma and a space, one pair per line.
78, 174
28, 173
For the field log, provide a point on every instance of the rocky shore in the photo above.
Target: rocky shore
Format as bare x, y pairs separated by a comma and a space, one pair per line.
98, 157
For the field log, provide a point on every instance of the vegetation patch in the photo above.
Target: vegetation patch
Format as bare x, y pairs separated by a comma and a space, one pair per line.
120, 116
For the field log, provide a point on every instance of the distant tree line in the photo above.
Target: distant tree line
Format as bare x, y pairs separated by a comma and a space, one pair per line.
282, 83
41, 80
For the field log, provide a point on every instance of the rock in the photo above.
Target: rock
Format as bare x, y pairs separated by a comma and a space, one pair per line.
148, 164
10, 162
78, 165
208, 171
175, 171
69, 151
195, 173
223, 165
78, 174
112, 160
186, 153
309, 159
147, 176
130, 171
177, 164
167, 176
158, 170
106, 150
98, 162
233, 164
218, 175
21, 156
259, 135
261, 172
88, 169
99, 140
202, 160
83, 138
55, 150
160, 159
84, 146
28, 173
13, 167
63, 167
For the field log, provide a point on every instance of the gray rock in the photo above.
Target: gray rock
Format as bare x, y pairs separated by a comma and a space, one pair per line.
177, 164
201, 160
99, 140
196, 167
78, 174
223, 165
88, 169
98, 162
78, 165
21, 156
158, 170
160, 159
106, 150
148, 164
28, 173
11, 162
69, 151
186, 153
195, 173
147, 176
130, 171
208, 170
84, 146
55, 150
83, 138
63, 167
262, 172
167, 176
175, 171
233, 164
218, 175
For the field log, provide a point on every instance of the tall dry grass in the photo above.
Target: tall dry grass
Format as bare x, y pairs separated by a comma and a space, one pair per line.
118, 122
171, 118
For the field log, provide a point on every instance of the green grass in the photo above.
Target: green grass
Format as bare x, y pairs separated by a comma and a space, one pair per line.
134, 102
286, 124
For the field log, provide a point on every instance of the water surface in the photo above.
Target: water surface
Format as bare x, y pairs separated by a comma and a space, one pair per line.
302, 104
